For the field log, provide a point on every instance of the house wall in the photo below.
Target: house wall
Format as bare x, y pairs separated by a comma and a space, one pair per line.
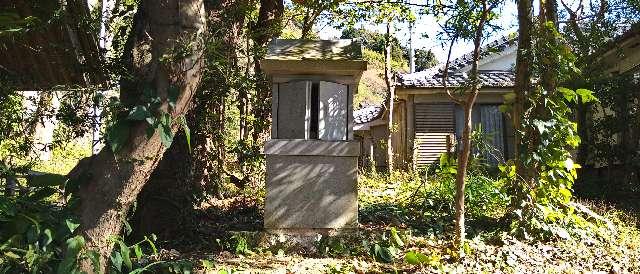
623, 58
43, 130
504, 61
374, 137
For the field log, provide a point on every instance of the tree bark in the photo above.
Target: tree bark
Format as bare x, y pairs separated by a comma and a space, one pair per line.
524, 61
165, 206
110, 182
391, 94
184, 177
463, 157
548, 13
549, 78
268, 25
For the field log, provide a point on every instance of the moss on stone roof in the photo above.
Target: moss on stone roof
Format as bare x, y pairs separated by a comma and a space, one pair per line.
296, 49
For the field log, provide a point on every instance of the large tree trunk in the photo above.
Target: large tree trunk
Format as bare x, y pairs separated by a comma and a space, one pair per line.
524, 61
110, 182
548, 13
545, 42
166, 204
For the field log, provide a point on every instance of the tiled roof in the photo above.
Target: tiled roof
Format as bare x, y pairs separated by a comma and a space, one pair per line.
367, 114
498, 45
432, 77
428, 80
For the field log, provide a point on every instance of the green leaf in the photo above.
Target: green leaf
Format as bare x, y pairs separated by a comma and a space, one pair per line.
127, 227
12, 255
139, 113
151, 244
568, 164
382, 253
125, 252
565, 193
116, 260
208, 265
68, 264
138, 251
48, 237
165, 119
540, 125
422, 258
586, 95
166, 136
396, 237
151, 120
71, 224
145, 268
94, 256
117, 135
385, 255
187, 131
504, 108
509, 97
568, 94
412, 258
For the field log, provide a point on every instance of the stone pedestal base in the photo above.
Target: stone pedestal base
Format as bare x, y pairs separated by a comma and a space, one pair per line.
311, 184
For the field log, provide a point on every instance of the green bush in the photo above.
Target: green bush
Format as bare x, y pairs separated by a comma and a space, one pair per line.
38, 235
426, 201
34, 233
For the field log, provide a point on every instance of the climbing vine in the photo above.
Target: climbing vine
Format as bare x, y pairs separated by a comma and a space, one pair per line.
542, 196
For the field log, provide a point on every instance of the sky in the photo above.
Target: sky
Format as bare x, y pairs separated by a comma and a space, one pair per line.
427, 24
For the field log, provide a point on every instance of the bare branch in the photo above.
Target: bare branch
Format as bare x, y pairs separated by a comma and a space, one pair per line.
445, 76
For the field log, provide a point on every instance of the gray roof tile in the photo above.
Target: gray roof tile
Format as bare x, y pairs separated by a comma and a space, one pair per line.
367, 114
487, 79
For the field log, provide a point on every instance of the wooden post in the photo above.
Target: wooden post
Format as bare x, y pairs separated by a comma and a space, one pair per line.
390, 89
410, 131
372, 158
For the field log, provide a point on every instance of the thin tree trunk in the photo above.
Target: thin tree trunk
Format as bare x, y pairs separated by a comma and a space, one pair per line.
463, 157
463, 160
217, 177
268, 25
391, 94
307, 24
110, 182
